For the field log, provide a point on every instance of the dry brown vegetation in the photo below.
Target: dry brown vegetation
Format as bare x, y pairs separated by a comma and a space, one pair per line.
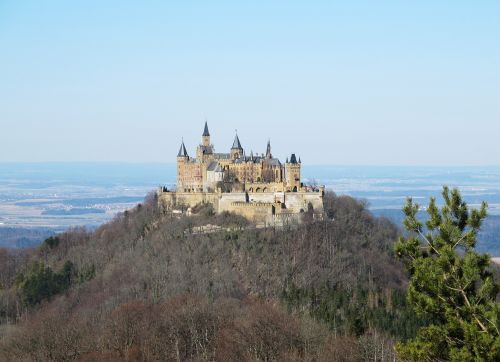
144, 287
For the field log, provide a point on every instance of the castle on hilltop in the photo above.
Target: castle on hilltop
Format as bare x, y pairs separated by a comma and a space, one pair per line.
258, 187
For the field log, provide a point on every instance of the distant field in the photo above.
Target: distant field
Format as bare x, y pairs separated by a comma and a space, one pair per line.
73, 211
61, 195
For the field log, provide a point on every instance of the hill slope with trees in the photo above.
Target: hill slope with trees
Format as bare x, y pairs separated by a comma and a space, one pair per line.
147, 286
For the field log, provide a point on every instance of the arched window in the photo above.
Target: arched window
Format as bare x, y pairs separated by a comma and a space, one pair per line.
295, 189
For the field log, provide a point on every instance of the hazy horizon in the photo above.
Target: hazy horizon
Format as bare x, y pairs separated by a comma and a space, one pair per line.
173, 162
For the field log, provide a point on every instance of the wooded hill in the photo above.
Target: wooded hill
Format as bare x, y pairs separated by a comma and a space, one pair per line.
145, 286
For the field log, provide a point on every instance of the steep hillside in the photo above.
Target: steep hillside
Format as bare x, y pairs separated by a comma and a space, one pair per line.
147, 286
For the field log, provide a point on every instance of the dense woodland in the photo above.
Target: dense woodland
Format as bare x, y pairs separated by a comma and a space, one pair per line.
146, 286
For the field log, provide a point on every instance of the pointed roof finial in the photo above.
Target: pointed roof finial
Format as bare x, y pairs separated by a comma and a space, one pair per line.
182, 150
205, 131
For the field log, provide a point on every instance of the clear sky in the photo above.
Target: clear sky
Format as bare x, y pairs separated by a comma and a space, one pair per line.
337, 82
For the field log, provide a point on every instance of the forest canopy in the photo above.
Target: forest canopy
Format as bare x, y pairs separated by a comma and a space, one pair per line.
148, 286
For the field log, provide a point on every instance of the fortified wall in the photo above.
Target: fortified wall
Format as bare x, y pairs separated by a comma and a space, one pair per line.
259, 207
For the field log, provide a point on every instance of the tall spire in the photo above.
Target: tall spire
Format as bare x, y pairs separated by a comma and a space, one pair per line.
205, 132
268, 150
182, 151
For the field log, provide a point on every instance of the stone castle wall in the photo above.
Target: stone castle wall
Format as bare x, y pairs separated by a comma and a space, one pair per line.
266, 207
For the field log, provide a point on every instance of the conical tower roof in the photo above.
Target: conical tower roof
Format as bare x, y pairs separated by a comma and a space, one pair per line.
205, 131
236, 143
182, 151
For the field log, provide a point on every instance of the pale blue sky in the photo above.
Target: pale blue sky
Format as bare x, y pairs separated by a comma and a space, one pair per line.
351, 82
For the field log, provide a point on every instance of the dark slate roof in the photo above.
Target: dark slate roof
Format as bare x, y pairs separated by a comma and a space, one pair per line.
222, 156
273, 162
205, 132
182, 151
236, 143
293, 159
212, 166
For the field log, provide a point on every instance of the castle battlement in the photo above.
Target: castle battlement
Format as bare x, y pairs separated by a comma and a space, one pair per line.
254, 204
258, 187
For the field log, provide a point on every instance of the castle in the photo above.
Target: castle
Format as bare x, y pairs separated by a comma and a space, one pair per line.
258, 187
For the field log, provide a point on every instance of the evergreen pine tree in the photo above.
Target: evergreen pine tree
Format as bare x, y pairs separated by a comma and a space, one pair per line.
451, 284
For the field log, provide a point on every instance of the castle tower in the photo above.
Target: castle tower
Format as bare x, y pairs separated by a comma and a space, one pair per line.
293, 174
182, 159
236, 150
205, 149
205, 138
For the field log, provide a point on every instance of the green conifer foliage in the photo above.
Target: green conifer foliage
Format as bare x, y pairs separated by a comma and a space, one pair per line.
450, 284
41, 283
